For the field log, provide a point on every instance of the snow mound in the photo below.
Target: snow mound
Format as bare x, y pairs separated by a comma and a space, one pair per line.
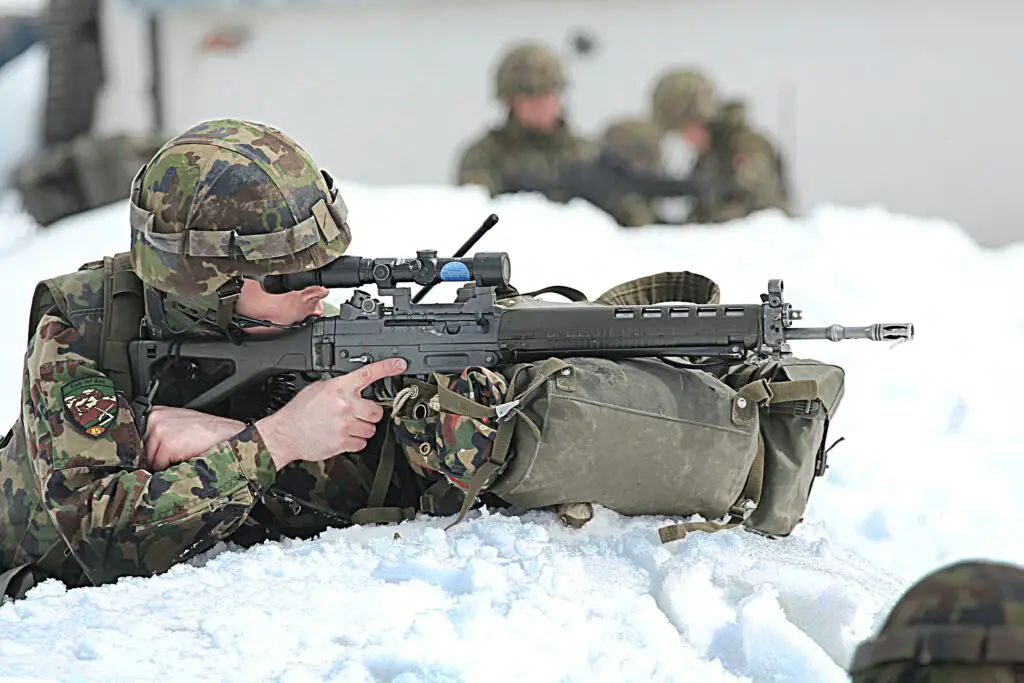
928, 455
511, 599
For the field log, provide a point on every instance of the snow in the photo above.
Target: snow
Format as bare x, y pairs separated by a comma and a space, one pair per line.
22, 83
929, 466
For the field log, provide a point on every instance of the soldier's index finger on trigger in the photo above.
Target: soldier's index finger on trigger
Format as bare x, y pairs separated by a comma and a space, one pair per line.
368, 374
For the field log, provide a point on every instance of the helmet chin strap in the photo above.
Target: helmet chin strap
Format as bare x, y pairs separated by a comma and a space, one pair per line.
227, 297
225, 318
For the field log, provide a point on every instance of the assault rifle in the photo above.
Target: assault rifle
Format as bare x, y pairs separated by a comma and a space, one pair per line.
476, 331
608, 177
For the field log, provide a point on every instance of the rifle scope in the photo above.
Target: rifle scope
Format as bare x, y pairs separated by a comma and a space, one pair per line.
486, 269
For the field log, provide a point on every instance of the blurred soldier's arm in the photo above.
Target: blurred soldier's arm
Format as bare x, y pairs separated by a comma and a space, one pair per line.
118, 516
758, 179
478, 165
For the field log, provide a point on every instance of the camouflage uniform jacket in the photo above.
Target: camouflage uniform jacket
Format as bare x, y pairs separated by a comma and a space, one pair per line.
746, 162
75, 487
513, 151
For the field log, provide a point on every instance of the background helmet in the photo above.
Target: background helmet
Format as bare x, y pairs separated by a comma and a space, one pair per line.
682, 97
228, 199
635, 141
961, 624
529, 69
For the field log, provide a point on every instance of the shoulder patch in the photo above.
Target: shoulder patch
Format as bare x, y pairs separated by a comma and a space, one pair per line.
90, 405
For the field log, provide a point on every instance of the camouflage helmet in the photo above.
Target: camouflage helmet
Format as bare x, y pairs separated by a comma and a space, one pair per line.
529, 69
229, 199
682, 97
961, 624
636, 141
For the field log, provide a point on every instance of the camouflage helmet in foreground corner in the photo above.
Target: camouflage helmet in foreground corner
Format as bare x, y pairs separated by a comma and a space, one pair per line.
682, 97
635, 141
961, 624
228, 199
529, 69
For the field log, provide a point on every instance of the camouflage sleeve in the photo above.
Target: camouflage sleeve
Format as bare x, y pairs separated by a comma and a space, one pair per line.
757, 174
478, 166
117, 518
632, 211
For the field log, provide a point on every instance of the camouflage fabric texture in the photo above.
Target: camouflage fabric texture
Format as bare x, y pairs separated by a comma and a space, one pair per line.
637, 143
74, 474
683, 97
744, 160
232, 198
960, 624
529, 69
449, 442
80, 498
512, 151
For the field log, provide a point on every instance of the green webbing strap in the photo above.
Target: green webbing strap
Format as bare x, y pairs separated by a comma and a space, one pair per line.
375, 512
450, 402
123, 311
661, 287
434, 492
766, 393
569, 293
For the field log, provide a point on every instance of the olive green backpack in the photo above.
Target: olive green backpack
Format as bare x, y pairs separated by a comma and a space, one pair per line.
662, 437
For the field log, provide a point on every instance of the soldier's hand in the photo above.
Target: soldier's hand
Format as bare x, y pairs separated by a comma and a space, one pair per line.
174, 435
328, 417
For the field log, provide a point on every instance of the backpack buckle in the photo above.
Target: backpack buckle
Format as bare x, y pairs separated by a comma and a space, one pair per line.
503, 410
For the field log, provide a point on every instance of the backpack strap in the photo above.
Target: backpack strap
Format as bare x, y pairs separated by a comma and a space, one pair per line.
19, 580
46, 296
375, 512
123, 312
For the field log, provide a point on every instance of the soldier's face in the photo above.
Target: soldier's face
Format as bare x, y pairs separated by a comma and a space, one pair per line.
697, 135
538, 112
283, 309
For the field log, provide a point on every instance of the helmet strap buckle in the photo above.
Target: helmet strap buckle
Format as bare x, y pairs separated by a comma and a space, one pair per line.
227, 297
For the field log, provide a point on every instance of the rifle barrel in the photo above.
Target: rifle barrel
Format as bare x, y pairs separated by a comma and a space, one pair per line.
876, 332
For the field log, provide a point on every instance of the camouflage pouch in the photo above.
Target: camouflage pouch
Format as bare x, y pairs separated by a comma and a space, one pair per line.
451, 426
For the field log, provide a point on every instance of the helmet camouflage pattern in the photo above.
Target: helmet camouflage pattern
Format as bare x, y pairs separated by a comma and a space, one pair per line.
227, 199
961, 624
529, 69
636, 141
682, 97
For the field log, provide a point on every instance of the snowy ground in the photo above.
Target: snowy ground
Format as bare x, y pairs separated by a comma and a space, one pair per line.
929, 465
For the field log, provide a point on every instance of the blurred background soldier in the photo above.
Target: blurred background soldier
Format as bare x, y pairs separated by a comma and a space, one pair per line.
636, 143
728, 150
535, 141
960, 624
